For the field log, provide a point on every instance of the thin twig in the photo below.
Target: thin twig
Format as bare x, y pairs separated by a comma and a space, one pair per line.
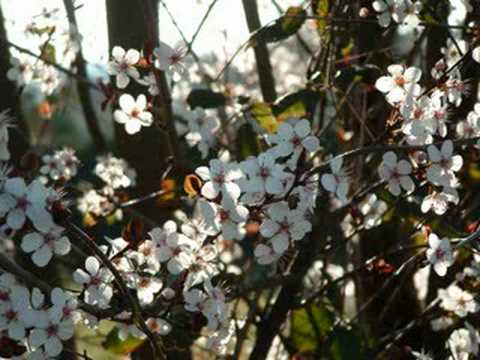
135, 306
83, 89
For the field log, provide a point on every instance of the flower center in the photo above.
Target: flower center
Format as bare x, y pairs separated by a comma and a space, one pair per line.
418, 113
284, 226
296, 141
175, 58
4, 296
219, 179
51, 331
224, 215
144, 282
135, 112
11, 315
439, 253
400, 81
22, 203
264, 173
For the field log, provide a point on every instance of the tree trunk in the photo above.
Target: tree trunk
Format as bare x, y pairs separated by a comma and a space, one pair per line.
149, 150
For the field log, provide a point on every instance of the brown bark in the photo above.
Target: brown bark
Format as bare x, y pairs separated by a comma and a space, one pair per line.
262, 55
149, 150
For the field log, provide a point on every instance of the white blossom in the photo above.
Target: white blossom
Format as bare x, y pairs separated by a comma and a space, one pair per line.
133, 114
439, 254
122, 66
19, 202
396, 173
292, 139
115, 172
97, 281
284, 225
400, 83
444, 164
43, 244
220, 178
337, 182
170, 60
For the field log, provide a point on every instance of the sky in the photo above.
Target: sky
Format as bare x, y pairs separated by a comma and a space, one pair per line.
226, 18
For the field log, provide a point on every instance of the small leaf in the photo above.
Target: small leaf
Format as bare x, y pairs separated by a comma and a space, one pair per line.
247, 144
297, 105
283, 27
303, 331
121, 347
48, 53
133, 232
192, 185
263, 113
321, 8
206, 99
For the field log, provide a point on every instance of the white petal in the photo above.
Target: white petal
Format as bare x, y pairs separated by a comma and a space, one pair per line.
16, 219
92, 265
42, 256
132, 56
62, 246
127, 103
32, 242
122, 80
385, 84
133, 126
209, 190
81, 277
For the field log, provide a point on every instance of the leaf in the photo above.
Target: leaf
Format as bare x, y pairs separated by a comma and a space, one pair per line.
247, 144
303, 331
321, 8
284, 27
41, 30
367, 74
192, 185
474, 172
48, 53
345, 344
206, 99
298, 104
263, 113
121, 347
443, 229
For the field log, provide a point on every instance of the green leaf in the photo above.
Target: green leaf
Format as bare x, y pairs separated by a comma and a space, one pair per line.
344, 345
247, 143
443, 229
48, 53
298, 104
304, 334
321, 9
206, 99
284, 27
367, 74
264, 116
114, 344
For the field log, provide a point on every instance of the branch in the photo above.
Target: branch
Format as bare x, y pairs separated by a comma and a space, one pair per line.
135, 306
9, 266
164, 97
384, 148
83, 89
270, 326
59, 67
262, 55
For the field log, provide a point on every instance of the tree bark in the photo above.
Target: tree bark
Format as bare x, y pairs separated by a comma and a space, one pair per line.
19, 138
84, 90
262, 55
149, 150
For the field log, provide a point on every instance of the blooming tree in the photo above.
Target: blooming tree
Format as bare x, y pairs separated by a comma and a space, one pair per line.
322, 209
